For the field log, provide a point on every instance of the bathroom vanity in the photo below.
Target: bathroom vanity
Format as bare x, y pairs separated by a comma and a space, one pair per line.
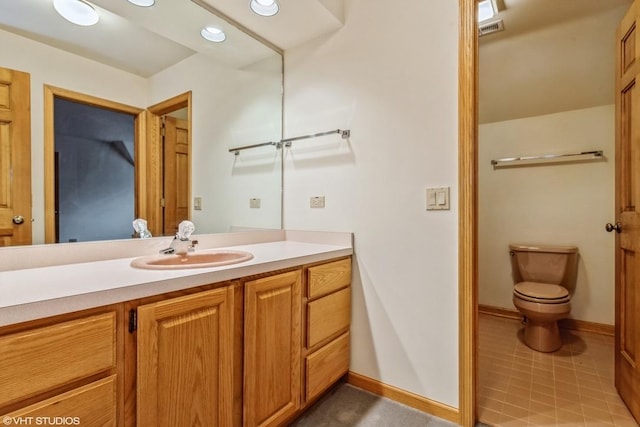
250, 344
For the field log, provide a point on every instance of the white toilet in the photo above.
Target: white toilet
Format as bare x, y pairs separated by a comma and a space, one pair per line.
544, 278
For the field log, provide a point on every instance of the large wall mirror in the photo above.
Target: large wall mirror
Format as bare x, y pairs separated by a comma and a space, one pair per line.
141, 57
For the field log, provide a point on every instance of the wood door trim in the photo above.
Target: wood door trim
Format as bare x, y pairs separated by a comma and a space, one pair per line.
468, 210
50, 92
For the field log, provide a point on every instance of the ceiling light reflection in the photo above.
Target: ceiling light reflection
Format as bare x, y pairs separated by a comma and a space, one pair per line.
213, 34
77, 12
264, 7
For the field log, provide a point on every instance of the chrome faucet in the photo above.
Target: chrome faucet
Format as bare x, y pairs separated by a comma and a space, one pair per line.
181, 243
180, 246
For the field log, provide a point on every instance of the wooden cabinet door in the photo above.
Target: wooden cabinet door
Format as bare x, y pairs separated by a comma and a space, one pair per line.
627, 359
272, 349
185, 366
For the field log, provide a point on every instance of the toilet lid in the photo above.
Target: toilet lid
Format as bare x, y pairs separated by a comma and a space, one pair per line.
541, 292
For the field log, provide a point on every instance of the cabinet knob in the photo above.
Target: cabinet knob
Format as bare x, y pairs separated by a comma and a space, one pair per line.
18, 219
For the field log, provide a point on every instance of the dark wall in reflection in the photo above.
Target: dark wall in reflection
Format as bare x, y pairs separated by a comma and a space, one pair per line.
95, 188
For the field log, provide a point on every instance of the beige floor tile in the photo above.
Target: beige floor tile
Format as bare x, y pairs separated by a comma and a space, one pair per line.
543, 398
515, 381
624, 422
507, 421
593, 412
566, 417
488, 416
619, 410
515, 411
569, 401
542, 408
570, 387
542, 420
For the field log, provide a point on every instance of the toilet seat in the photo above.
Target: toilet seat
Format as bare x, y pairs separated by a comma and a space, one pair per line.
544, 293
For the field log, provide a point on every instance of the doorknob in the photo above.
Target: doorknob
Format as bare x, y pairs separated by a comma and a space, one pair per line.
18, 219
610, 227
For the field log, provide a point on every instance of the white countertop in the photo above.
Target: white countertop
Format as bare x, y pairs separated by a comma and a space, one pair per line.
34, 293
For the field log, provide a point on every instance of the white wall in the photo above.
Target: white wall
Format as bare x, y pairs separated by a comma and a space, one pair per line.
49, 66
389, 75
231, 108
552, 204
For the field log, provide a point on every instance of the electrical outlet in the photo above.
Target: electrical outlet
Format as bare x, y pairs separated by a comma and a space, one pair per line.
316, 202
254, 203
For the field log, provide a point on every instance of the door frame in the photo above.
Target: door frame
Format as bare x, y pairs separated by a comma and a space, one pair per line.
468, 210
50, 93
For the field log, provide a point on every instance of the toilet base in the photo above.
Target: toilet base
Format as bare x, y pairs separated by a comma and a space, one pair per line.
542, 336
541, 332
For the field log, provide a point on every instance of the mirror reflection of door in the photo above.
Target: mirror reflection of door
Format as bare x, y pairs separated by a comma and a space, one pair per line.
176, 170
15, 158
167, 172
94, 172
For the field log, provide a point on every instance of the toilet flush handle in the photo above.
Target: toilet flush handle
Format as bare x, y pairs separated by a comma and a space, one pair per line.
610, 227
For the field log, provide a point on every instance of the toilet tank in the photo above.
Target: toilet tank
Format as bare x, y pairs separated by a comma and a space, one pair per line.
545, 264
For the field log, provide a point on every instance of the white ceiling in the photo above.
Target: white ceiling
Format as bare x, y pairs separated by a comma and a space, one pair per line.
144, 41
553, 56
297, 21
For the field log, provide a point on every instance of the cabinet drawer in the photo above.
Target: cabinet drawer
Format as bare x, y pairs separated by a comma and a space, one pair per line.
326, 278
327, 316
326, 366
40, 359
90, 405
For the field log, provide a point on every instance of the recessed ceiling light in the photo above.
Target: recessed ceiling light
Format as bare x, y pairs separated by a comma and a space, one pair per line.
486, 10
264, 7
78, 12
213, 34
143, 3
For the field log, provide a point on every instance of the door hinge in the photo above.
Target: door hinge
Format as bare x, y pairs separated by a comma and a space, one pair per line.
162, 202
133, 321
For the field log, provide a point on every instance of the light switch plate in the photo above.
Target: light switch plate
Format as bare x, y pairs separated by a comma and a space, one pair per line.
438, 198
197, 203
254, 203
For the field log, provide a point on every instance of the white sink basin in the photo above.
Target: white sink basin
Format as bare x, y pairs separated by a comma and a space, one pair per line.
191, 260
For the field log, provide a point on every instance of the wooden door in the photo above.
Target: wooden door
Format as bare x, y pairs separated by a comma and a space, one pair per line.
176, 173
627, 259
272, 349
15, 158
185, 361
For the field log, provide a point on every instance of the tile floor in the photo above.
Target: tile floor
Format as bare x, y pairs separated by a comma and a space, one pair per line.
518, 386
